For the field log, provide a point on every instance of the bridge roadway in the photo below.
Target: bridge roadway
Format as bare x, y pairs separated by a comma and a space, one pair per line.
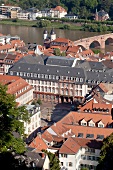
99, 40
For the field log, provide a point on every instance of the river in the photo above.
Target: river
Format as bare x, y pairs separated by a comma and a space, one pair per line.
35, 35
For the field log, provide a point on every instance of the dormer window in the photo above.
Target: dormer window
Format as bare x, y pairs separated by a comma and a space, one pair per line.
35, 75
83, 123
46, 76
100, 124
77, 79
81, 79
91, 123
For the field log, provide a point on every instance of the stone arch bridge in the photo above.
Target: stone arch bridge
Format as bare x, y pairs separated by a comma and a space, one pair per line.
100, 40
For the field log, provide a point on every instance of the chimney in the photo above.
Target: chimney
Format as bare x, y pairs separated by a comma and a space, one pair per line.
39, 134
42, 155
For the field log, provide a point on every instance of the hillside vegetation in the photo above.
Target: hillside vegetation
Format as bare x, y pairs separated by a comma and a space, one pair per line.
84, 8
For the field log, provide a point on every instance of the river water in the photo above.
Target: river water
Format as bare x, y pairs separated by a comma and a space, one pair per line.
35, 35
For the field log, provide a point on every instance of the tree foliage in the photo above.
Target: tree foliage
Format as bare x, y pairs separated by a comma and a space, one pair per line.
73, 6
43, 23
54, 161
106, 154
10, 116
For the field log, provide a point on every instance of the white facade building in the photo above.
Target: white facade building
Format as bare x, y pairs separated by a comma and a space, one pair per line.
76, 154
35, 120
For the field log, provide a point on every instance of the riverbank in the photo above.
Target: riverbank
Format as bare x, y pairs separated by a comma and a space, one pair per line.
92, 27
56, 25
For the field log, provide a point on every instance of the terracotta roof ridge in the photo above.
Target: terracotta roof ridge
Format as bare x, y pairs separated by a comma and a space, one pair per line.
69, 147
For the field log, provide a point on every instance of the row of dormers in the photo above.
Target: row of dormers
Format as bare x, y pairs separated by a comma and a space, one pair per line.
97, 110
90, 123
45, 76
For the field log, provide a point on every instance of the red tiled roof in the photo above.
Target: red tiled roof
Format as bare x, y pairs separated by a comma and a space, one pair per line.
76, 117
6, 46
85, 52
73, 49
59, 8
72, 145
63, 40
14, 83
38, 143
91, 105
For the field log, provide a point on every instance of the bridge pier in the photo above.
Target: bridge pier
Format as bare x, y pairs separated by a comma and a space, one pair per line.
102, 44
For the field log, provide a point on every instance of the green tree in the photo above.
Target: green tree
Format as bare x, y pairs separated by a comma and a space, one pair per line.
54, 161
63, 54
96, 51
84, 169
91, 4
10, 116
39, 101
66, 27
43, 23
106, 154
57, 52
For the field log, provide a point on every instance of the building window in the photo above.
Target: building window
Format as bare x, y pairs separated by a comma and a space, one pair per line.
53, 76
100, 125
49, 76
90, 136
61, 163
31, 74
57, 77
77, 79
35, 75
80, 135
42, 76
66, 78
70, 164
28, 75
81, 79
24, 74
84, 124
38, 75
91, 124
100, 136
21, 74
83, 157
11, 73
64, 155
46, 76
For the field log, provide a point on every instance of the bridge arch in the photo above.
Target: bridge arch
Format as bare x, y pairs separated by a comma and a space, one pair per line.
83, 48
95, 44
109, 41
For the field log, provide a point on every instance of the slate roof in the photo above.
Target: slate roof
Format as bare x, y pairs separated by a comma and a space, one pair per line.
91, 65
31, 60
60, 61
98, 76
36, 158
49, 70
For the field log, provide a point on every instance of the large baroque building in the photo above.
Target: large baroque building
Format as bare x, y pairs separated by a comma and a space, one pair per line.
60, 79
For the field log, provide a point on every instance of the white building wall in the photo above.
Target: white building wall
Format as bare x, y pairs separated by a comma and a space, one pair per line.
66, 161
25, 98
77, 160
35, 122
46, 164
